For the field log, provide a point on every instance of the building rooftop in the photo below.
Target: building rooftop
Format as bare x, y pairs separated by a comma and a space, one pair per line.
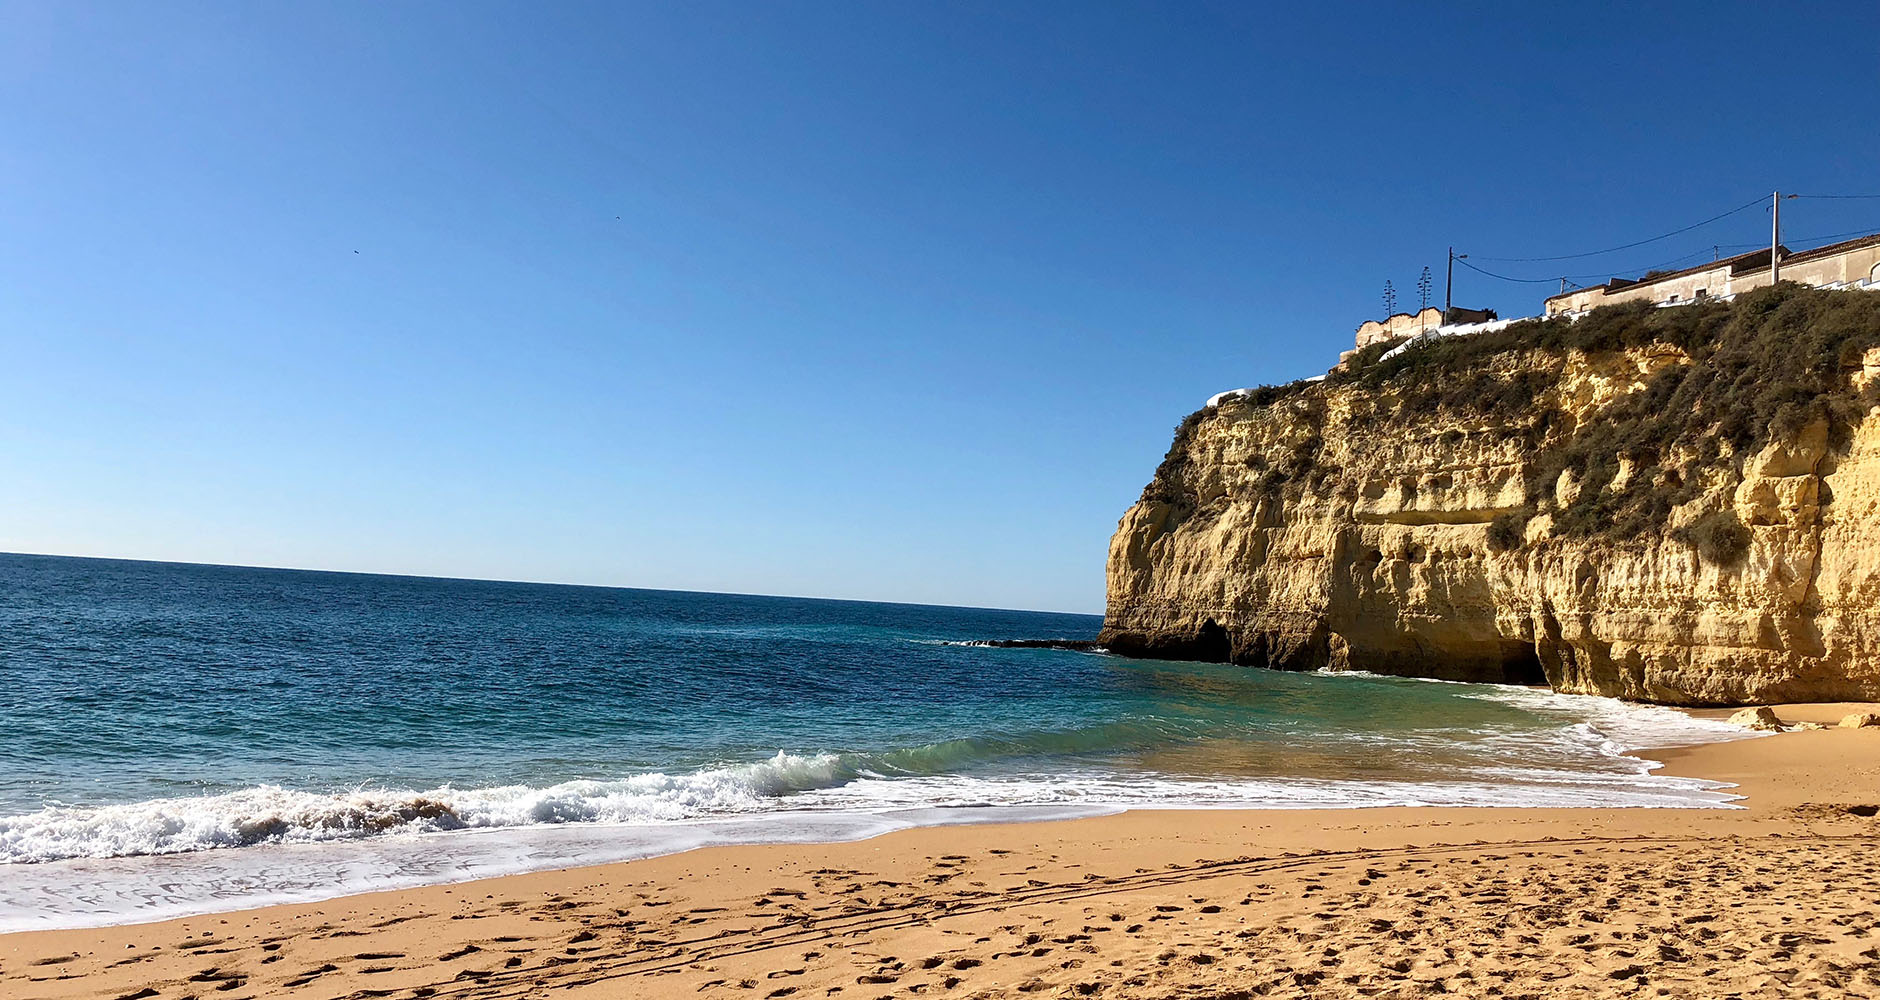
1743, 263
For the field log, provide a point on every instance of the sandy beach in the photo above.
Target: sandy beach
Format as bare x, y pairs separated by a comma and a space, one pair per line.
938, 501
1775, 899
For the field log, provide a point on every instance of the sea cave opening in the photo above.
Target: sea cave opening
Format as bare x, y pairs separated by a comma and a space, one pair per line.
1521, 663
1213, 644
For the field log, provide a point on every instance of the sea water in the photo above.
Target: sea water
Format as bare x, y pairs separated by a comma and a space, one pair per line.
179, 738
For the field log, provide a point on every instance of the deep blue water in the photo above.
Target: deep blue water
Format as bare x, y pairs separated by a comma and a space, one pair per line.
131, 680
151, 708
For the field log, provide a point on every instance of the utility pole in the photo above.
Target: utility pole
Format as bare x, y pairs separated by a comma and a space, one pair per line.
1563, 286
1775, 237
1449, 281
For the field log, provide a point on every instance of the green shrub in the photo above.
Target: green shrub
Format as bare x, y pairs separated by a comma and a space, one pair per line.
1167, 485
1266, 395
1720, 538
1508, 531
1761, 368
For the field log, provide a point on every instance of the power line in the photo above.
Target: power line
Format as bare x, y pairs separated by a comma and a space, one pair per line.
1669, 265
1719, 248
1628, 246
1680, 259
1829, 236
1576, 278
1786, 240
1525, 281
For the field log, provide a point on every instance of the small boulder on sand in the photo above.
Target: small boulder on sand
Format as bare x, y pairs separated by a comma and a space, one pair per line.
1762, 719
1861, 720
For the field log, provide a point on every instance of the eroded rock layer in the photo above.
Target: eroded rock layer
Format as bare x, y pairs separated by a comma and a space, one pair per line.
1677, 506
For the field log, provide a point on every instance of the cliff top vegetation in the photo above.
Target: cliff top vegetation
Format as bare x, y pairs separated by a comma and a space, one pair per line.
1754, 370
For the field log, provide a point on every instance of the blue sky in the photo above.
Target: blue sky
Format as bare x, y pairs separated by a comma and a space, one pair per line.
892, 301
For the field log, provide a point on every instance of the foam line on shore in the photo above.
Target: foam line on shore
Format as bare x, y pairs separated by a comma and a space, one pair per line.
101, 892
1601, 732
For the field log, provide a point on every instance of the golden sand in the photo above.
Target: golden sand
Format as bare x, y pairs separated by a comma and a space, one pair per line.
1777, 900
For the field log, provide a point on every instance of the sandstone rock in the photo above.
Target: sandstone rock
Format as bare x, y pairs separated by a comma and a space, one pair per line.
1761, 719
1861, 720
1392, 527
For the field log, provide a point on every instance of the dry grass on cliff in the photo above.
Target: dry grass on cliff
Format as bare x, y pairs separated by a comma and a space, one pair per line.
1761, 369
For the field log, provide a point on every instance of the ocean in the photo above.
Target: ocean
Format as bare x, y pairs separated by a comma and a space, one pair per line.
181, 739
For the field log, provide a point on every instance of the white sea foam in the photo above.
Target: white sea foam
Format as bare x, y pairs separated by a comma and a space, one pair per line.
328, 857
1622, 726
1592, 729
87, 892
73, 866
1491, 787
1626, 726
270, 814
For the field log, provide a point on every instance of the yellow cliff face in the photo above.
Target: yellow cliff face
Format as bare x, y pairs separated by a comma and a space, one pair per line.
1670, 509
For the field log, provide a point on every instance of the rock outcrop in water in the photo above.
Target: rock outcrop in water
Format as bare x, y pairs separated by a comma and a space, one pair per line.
1069, 645
1674, 505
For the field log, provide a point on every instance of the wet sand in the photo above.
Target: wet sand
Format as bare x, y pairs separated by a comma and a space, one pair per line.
1776, 899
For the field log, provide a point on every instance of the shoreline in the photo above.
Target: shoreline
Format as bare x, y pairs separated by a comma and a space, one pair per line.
1000, 907
89, 892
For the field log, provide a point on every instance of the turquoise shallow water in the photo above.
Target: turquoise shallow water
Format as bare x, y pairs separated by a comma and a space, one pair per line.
160, 709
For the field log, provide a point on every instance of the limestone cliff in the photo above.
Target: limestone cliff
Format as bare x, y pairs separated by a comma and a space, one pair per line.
1674, 505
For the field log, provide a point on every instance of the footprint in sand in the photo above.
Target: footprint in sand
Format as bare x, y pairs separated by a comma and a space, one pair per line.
310, 975
400, 920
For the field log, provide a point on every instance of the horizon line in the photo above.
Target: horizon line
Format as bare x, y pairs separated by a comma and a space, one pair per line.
540, 583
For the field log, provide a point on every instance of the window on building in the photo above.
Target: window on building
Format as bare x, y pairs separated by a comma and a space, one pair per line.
1701, 294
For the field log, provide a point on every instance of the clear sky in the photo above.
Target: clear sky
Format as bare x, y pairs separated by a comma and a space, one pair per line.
882, 300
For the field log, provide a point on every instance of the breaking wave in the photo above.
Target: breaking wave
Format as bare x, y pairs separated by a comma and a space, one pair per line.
271, 814
1583, 761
